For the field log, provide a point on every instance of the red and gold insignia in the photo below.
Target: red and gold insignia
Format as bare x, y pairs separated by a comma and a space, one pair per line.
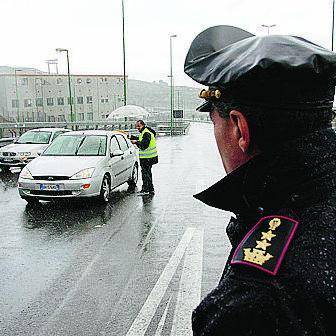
266, 244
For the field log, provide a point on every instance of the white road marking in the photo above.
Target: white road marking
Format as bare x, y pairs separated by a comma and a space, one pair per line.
162, 320
189, 293
142, 321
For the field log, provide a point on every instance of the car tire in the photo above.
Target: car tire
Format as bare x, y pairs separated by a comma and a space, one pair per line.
105, 190
134, 178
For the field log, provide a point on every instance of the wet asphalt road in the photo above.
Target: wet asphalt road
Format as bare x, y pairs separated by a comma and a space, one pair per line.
137, 266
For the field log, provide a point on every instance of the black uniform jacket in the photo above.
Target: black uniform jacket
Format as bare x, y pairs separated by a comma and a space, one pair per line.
297, 184
143, 144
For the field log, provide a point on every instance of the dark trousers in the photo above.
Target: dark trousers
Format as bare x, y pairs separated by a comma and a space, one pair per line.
147, 178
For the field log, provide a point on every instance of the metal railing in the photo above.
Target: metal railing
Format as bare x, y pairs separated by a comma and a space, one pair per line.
161, 127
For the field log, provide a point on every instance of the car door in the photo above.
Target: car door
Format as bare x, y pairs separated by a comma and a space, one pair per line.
116, 163
128, 157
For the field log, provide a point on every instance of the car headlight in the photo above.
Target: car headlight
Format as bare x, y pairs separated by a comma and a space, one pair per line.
24, 153
25, 174
83, 174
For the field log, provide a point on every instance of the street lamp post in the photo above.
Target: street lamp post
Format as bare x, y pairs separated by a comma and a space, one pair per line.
268, 27
333, 26
72, 119
124, 51
17, 94
171, 83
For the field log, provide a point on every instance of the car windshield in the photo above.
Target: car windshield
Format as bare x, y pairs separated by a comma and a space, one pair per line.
77, 145
35, 137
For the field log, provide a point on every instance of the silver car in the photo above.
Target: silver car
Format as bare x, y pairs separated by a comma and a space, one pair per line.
28, 146
80, 164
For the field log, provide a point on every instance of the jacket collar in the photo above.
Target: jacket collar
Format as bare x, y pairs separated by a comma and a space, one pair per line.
300, 171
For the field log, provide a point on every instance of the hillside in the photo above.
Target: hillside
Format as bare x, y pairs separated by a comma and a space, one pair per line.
155, 96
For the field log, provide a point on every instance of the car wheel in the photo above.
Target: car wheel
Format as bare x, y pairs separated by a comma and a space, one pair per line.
134, 178
105, 190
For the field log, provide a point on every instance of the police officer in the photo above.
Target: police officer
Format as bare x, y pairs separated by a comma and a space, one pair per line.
270, 100
148, 155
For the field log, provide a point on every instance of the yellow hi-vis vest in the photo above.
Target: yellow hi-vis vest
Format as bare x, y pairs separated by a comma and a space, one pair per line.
151, 151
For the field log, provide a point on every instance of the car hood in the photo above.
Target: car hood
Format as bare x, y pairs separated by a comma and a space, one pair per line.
62, 165
17, 148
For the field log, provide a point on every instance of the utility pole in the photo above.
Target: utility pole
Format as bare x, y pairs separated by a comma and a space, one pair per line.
171, 83
124, 51
72, 119
268, 27
17, 95
333, 24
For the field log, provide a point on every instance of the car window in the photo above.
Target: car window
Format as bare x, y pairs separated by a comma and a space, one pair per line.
56, 134
122, 143
114, 144
35, 137
93, 145
77, 145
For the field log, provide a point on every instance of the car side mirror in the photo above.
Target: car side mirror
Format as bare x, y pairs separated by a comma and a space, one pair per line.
117, 152
39, 152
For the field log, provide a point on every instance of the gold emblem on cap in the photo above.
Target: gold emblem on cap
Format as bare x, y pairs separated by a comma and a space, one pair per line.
207, 94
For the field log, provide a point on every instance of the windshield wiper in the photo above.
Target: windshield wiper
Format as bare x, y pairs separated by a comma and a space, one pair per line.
80, 144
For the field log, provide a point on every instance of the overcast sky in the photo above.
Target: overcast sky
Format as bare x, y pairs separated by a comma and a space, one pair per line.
92, 31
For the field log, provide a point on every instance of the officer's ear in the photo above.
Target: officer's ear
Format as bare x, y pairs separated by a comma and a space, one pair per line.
241, 130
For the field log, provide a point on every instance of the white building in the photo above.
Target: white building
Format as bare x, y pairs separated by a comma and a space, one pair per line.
31, 95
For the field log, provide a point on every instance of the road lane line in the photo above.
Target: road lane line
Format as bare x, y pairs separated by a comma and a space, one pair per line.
189, 294
163, 319
142, 321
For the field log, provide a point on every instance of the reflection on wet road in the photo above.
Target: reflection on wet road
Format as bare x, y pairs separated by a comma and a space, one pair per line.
133, 267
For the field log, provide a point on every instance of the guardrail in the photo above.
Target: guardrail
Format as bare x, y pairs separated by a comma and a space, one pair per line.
162, 127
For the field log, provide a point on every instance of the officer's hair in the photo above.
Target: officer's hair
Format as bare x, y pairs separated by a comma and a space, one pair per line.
141, 122
272, 127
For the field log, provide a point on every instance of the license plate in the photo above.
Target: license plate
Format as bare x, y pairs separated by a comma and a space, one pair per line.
50, 187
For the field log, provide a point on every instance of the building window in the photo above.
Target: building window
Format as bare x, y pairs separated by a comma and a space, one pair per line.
102, 100
45, 82
59, 81
88, 80
28, 103
79, 81
72, 100
80, 116
90, 116
38, 81
50, 101
89, 99
106, 100
15, 103
61, 117
80, 100
24, 81
51, 118
60, 101
39, 102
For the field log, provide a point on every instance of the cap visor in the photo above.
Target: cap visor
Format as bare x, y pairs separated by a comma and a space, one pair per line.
205, 107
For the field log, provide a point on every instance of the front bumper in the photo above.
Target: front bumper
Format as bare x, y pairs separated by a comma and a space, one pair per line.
15, 161
47, 190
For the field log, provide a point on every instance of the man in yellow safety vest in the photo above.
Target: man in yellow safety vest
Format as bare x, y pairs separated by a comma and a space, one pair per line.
148, 155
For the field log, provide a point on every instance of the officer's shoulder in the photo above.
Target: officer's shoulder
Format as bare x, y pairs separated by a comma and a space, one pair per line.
265, 245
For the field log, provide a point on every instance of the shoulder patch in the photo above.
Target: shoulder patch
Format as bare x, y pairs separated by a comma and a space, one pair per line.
266, 244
